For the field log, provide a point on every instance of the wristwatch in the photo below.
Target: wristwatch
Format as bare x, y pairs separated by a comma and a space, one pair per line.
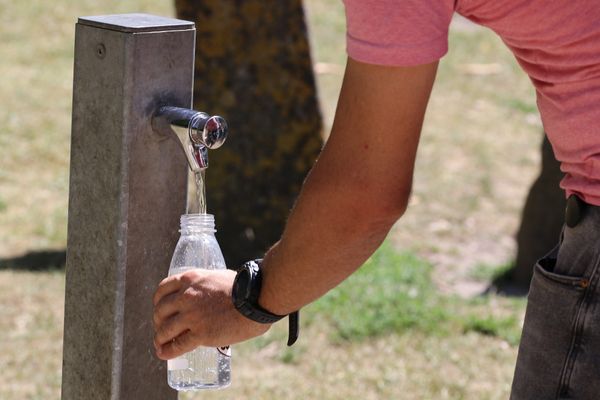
245, 294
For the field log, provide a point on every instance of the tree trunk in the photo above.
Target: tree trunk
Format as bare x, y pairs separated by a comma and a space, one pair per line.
253, 67
542, 220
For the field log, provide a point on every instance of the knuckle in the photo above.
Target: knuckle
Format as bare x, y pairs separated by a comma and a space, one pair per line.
184, 278
188, 276
179, 280
188, 295
165, 281
157, 296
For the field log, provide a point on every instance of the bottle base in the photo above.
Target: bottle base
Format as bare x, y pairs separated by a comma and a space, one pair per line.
190, 386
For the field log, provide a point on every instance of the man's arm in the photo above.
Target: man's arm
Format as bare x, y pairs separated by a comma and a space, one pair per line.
355, 192
357, 189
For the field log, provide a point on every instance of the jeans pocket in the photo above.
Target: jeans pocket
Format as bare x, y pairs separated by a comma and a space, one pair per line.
547, 332
555, 282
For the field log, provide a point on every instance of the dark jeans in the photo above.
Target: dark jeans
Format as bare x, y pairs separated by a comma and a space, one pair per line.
559, 354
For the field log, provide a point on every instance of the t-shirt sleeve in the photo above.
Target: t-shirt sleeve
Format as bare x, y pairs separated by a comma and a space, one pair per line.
398, 32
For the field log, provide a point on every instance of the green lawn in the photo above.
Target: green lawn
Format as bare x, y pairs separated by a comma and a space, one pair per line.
401, 327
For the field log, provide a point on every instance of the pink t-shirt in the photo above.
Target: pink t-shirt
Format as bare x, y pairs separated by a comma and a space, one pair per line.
557, 42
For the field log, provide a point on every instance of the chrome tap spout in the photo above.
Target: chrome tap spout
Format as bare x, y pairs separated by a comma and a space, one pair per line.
196, 131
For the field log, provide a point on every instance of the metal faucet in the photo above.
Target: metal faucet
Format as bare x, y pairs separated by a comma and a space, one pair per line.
197, 132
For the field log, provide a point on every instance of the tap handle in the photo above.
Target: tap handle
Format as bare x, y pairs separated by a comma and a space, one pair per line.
208, 131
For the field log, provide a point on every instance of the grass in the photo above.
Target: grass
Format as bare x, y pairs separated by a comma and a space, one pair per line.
396, 329
392, 292
505, 328
31, 324
385, 333
490, 273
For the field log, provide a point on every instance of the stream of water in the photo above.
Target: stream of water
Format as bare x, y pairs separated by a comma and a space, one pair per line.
200, 192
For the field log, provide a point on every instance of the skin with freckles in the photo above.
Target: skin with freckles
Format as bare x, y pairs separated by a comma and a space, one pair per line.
353, 195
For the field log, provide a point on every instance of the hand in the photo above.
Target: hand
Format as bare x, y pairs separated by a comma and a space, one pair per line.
195, 309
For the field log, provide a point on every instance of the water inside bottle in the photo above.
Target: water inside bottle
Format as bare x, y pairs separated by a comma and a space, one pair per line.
202, 368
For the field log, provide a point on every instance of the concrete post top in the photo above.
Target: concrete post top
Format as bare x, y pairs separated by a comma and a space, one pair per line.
135, 23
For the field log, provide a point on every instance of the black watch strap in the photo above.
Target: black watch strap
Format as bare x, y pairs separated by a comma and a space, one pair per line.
294, 327
248, 305
258, 314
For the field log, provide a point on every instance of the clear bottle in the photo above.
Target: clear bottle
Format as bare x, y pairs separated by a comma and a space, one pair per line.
204, 367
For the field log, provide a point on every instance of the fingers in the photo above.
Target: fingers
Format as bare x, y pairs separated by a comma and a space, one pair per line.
166, 307
195, 308
167, 286
170, 329
173, 284
174, 348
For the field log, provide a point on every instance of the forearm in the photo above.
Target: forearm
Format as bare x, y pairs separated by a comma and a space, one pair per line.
324, 242
357, 189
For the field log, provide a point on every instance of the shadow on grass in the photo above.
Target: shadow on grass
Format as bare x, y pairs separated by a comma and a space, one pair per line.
39, 260
503, 284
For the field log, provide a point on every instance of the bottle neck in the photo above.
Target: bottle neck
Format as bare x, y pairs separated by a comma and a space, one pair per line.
197, 223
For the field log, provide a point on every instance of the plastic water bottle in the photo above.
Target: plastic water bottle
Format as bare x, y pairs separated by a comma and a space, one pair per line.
204, 367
